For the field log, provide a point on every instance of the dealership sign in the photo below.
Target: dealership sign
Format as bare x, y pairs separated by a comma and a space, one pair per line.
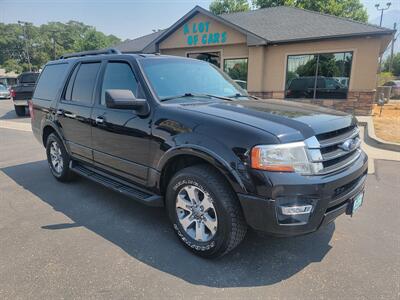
201, 34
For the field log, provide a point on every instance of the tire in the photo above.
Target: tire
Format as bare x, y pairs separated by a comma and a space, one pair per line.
224, 216
58, 158
20, 110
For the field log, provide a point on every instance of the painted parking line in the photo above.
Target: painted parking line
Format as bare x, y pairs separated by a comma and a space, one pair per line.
15, 125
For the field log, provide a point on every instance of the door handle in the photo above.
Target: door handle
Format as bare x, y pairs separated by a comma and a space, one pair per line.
99, 120
69, 115
60, 112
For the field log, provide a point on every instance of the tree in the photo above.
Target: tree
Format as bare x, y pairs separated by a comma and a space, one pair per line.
395, 64
351, 9
12, 65
219, 7
43, 40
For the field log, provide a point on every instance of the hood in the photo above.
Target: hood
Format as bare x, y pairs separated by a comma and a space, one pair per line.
289, 121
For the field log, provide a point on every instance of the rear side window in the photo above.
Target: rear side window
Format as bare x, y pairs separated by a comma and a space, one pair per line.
84, 83
118, 76
50, 81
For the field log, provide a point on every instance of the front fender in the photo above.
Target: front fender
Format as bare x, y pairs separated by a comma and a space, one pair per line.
230, 173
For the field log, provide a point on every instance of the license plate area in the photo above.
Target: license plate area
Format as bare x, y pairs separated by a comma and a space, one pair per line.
355, 203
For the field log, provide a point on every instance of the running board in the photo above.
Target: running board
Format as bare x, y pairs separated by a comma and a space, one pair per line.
117, 184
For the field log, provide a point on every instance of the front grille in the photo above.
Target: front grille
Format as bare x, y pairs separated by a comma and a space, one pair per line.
341, 190
332, 153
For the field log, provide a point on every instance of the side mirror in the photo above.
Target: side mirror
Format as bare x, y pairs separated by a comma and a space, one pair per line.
125, 99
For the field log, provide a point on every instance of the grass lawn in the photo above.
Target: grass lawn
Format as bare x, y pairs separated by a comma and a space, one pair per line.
387, 126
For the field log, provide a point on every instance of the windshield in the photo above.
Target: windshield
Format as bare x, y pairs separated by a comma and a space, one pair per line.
174, 77
3, 87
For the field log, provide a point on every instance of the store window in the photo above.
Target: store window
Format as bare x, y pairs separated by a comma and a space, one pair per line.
237, 70
318, 76
211, 57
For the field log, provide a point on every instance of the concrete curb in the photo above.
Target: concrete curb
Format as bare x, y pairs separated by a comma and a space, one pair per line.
370, 137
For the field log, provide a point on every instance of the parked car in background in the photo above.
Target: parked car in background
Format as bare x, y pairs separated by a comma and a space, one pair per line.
218, 159
327, 88
4, 92
241, 83
342, 80
395, 84
23, 91
8, 81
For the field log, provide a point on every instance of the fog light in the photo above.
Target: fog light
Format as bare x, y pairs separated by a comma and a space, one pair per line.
296, 210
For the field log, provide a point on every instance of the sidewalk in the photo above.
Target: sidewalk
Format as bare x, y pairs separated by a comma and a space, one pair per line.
376, 153
372, 139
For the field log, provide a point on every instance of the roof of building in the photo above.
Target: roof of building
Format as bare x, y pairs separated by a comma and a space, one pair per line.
286, 24
281, 24
139, 44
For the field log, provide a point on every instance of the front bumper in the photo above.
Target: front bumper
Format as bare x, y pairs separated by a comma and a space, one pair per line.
330, 196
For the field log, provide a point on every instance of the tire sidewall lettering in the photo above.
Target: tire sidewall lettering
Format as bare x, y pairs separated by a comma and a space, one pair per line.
176, 188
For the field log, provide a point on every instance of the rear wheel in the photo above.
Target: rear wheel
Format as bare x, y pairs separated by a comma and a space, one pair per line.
58, 158
204, 211
20, 110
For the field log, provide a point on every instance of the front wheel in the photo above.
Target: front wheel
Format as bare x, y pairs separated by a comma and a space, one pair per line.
204, 211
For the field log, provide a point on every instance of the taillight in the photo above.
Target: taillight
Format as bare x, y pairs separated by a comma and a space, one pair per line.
31, 113
12, 93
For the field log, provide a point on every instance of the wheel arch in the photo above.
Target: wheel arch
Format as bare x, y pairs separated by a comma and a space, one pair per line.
49, 128
187, 155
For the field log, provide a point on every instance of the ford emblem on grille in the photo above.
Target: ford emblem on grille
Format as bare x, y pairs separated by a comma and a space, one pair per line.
349, 144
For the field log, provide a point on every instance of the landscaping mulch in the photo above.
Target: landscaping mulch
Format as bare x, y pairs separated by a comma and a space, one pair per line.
387, 126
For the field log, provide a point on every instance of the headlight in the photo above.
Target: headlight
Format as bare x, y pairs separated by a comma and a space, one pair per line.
290, 157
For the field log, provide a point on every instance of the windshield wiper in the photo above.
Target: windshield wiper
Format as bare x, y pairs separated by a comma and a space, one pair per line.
189, 95
240, 95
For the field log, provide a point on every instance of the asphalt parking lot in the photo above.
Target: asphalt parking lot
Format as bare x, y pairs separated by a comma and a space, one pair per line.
82, 241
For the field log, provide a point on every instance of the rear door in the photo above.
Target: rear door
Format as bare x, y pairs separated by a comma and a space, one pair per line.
75, 107
49, 87
120, 137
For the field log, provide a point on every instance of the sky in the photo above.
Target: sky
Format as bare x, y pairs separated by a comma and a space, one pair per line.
123, 18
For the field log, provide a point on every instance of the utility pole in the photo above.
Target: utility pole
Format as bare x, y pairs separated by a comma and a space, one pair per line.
382, 10
388, 4
24, 24
392, 49
53, 37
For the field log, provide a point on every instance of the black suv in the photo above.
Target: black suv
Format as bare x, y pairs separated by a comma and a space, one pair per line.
177, 132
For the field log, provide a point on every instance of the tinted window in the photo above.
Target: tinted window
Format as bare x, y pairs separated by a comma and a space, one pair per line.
84, 82
119, 76
236, 69
329, 74
68, 92
28, 78
211, 57
50, 81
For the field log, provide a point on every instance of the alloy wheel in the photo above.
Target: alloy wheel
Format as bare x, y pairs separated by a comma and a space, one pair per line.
196, 213
56, 157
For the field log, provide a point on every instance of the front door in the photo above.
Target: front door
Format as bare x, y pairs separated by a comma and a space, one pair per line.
74, 110
120, 137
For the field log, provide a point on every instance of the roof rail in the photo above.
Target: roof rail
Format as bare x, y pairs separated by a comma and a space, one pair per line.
92, 52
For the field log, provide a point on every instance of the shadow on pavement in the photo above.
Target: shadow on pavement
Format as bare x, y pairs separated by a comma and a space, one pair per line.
145, 234
12, 115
